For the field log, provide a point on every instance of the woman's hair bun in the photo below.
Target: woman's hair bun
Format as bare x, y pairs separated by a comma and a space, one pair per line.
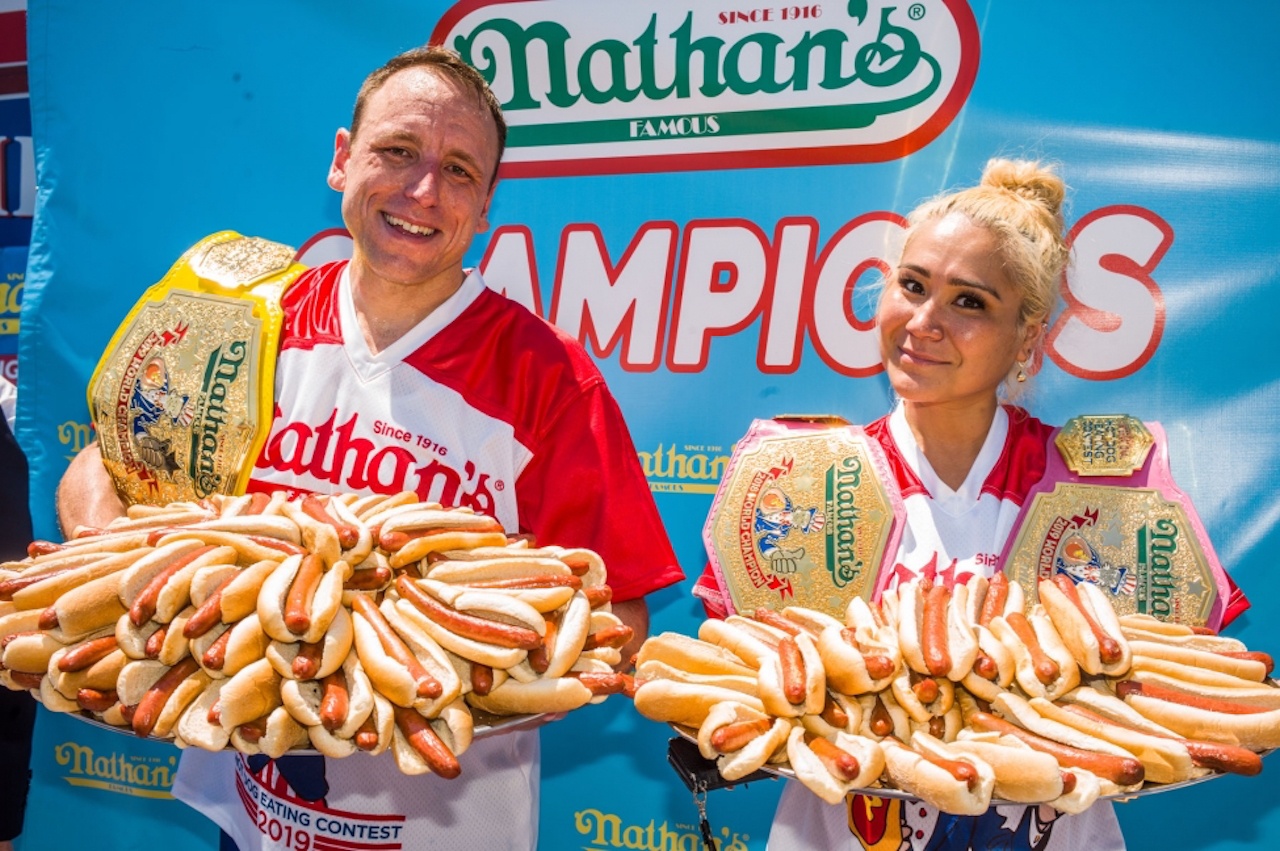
1027, 179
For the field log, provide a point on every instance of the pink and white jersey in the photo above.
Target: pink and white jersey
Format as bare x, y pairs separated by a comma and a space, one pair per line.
485, 405
950, 535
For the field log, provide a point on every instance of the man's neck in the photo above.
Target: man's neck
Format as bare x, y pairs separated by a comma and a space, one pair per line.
387, 311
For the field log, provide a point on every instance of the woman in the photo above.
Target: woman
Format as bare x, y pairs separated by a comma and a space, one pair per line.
961, 320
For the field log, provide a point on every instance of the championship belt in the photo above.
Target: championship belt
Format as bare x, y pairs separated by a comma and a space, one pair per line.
182, 397
1108, 512
802, 517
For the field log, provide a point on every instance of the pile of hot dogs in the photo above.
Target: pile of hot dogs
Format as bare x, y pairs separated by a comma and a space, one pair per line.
339, 624
967, 695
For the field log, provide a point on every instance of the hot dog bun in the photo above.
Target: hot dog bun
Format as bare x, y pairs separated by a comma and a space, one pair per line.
914, 769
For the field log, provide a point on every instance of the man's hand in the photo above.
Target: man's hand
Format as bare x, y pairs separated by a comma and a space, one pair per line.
87, 494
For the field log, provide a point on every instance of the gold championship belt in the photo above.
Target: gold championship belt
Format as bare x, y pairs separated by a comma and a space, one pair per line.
182, 397
803, 517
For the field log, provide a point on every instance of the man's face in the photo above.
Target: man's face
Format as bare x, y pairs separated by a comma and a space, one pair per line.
417, 181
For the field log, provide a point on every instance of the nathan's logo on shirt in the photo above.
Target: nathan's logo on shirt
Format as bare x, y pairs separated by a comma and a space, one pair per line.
606, 830
590, 87
683, 468
122, 773
332, 452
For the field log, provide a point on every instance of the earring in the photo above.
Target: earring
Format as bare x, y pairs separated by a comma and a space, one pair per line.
1022, 371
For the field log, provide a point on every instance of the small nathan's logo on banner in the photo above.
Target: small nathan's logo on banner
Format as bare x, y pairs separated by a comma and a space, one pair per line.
595, 88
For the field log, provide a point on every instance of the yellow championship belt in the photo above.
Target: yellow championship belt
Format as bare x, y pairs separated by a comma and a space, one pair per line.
182, 397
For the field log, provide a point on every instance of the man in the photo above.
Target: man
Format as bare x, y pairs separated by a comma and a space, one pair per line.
17, 709
506, 415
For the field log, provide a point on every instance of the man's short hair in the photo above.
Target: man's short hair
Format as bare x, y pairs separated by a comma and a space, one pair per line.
449, 65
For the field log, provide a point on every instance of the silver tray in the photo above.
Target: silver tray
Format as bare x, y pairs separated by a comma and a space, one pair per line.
485, 725
890, 792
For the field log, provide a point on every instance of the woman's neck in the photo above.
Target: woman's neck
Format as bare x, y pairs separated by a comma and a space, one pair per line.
950, 437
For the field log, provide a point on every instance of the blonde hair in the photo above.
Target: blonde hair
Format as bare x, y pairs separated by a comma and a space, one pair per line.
1020, 201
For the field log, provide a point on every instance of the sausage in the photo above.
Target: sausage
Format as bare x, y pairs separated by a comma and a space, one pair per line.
14, 584
348, 535
215, 655
367, 578
1046, 668
394, 646
467, 625
35, 549
209, 614
147, 712
1172, 695
769, 617
96, 700
736, 736
994, 602
962, 771
481, 678
615, 636
842, 764
1120, 770
522, 582
335, 700
878, 665
297, 604
307, 662
794, 676
600, 682
155, 642
833, 713
598, 595
539, 657
933, 630
86, 653
26, 679
1248, 655
881, 722
253, 731
925, 688
423, 739
366, 737
1109, 650
144, 606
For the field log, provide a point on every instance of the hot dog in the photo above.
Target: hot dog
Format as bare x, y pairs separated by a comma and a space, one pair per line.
157, 694
1044, 665
408, 537
1192, 714
934, 632
995, 666
488, 628
422, 745
275, 734
332, 708
860, 655
882, 717
297, 660
684, 703
228, 648
1022, 775
1087, 623
694, 655
300, 598
656, 669
1247, 665
403, 662
1147, 628
225, 594
831, 767
740, 739
953, 781
158, 585
250, 693
792, 679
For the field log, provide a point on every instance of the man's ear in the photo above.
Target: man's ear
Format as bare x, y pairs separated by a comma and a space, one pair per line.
341, 155
483, 225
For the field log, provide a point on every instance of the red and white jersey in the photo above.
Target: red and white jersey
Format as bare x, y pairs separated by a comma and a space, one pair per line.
955, 534
485, 405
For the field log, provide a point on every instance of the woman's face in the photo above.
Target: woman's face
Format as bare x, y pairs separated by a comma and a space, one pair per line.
949, 321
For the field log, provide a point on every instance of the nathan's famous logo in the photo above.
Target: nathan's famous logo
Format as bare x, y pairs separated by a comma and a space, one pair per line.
590, 87
844, 480
606, 830
222, 370
1157, 547
122, 773
334, 453
683, 468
